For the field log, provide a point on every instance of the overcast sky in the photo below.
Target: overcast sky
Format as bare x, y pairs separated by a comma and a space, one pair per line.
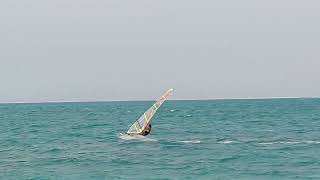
88, 50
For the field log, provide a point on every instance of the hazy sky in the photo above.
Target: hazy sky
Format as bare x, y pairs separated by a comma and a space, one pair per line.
87, 50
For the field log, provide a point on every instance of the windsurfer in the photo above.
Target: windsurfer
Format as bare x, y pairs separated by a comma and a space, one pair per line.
146, 130
142, 125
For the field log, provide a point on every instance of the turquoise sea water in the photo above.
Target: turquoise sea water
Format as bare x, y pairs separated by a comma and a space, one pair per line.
218, 139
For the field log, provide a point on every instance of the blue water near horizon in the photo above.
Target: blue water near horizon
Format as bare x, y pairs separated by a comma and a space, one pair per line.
213, 139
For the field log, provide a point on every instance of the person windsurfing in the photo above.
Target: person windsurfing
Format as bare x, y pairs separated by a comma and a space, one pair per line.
142, 125
146, 130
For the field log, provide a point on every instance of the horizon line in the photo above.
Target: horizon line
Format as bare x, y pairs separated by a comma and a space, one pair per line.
141, 100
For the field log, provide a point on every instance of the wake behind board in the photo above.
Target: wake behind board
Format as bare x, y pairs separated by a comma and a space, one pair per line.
135, 137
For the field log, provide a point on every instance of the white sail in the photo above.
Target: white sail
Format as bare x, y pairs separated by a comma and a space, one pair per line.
139, 125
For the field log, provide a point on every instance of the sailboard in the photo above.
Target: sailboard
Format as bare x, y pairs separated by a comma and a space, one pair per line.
139, 125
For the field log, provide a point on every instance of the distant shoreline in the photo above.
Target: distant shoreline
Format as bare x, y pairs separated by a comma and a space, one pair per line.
146, 100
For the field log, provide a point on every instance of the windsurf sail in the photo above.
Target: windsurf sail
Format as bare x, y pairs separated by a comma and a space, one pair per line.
138, 126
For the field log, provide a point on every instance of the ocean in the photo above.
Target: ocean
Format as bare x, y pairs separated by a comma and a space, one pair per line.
211, 139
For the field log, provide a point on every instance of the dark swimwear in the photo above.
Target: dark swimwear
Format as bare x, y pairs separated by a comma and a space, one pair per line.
146, 133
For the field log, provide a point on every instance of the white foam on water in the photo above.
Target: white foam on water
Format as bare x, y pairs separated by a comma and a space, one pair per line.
313, 142
135, 137
266, 143
226, 142
191, 142
290, 142
172, 110
280, 142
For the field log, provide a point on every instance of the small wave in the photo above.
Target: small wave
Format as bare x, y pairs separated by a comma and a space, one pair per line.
290, 142
313, 142
172, 110
280, 142
191, 142
53, 150
226, 142
188, 115
266, 143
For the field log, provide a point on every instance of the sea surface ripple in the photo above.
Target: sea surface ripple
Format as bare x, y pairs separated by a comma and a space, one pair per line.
213, 139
